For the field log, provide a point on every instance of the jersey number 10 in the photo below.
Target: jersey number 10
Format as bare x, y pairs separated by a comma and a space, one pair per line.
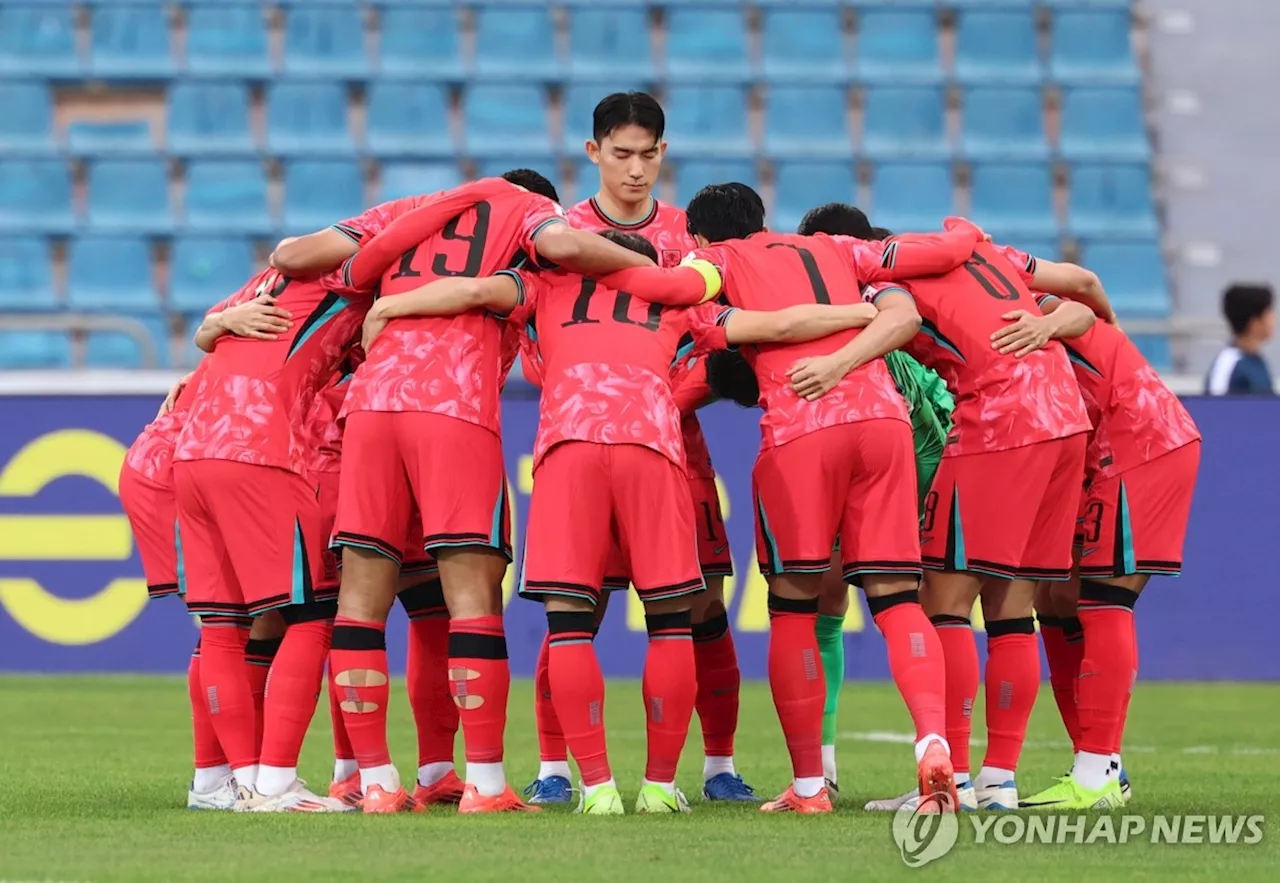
621, 306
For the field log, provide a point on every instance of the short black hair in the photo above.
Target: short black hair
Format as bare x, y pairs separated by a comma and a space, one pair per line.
628, 109
1242, 303
837, 219
881, 233
633, 241
731, 378
725, 211
534, 182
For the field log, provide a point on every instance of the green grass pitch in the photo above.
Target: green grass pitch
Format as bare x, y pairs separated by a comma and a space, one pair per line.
93, 772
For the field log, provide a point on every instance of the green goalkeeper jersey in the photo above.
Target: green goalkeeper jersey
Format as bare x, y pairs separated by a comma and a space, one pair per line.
931, 406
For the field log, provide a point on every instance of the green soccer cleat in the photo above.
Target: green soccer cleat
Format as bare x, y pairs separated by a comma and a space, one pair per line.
654, 799
1069, 794
604, 801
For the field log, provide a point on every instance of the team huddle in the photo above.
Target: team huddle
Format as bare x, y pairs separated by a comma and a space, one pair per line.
944, 421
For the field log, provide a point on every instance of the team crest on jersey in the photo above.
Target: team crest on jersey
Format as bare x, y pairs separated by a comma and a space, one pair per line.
671, 257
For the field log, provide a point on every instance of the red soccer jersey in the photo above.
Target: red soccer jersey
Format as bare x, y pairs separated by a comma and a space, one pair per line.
252, 403
151, 453
769, 271
1136, 418
664, 226
452, 364
373, 221
324, 429
1002, 401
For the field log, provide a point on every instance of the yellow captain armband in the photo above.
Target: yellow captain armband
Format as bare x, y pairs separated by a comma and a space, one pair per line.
710, 274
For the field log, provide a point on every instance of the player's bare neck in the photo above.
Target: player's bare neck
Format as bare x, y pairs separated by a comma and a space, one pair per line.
624, 214
1249, 344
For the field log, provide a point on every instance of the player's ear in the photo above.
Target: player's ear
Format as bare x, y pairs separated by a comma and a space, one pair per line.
702, 241
593, 150
662, 150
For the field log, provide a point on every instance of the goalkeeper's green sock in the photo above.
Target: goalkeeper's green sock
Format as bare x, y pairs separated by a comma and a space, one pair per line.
830, 632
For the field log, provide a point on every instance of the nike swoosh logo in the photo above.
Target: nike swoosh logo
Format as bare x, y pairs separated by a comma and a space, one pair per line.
720, 549
1085, 553
924, 540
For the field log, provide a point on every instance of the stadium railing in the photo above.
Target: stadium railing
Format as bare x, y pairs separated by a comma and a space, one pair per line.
148, 351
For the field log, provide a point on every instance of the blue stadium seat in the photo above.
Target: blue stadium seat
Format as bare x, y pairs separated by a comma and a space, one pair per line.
1155, 347
799, 187
307, 119
991, 4
708, 121
26, 274
496, 167
129, 196
410, 179
119, 349
227, 196
111, 274
580, 100
1086, 4
911, 197
904, 123
204, 270
407, 118
34, 350
1111, 200
1003, 124
26, 126
325, 41
319, 193
898, 47
130, 42
806, 122
1049, 249
610, 43
209, 118
1092, 47
1012, 201
516, 43
1103, 124
693, 176
998, 47
35, 197
506, 120
227, 39
1134, 276
804, 45
38, 41
705, 43
113, 138
420, 42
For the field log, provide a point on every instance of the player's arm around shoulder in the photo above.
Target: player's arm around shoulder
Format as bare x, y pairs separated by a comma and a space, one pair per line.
1072, 282
795, 324
499, 294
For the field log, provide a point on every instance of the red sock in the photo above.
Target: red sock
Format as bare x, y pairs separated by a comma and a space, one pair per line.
575, 682
1064, 648
294, 688
719, 682
224, 683
955, 635
551, 740
1013, 680
358, 662
480, 681
1124, 714
341, 742
797, 682
207, 751
259, 653
670, 690
427, 679
1109, 666
915, 659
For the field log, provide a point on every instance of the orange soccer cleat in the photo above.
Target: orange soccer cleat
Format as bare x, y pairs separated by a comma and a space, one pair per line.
790, 801
937, 780
447, 791
474, 802
347, 790
379, 800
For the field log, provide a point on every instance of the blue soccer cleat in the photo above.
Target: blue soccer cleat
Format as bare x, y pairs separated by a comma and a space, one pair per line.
1126, 790
552, 789
727, 786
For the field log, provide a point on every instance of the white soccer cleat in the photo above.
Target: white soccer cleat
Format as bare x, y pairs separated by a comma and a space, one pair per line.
296, 798
222, 797
911, 800
998, 797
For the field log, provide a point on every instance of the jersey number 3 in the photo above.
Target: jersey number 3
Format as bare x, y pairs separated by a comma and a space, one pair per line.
621, 306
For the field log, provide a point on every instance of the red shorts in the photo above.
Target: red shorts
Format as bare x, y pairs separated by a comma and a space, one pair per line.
1008, 514
587, 496
1136, 522
250, 537
455, 473
152, 514
854, 483
713, 546
327, 494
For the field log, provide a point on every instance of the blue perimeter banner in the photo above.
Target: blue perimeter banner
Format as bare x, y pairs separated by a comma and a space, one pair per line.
72, 597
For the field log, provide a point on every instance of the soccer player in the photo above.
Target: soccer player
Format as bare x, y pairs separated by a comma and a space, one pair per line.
601, 375
996, 519
627, 148
425, 404
250, 528
833, 468
1141, 472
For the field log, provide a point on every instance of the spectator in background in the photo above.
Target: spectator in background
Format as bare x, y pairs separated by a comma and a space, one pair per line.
1240, 369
